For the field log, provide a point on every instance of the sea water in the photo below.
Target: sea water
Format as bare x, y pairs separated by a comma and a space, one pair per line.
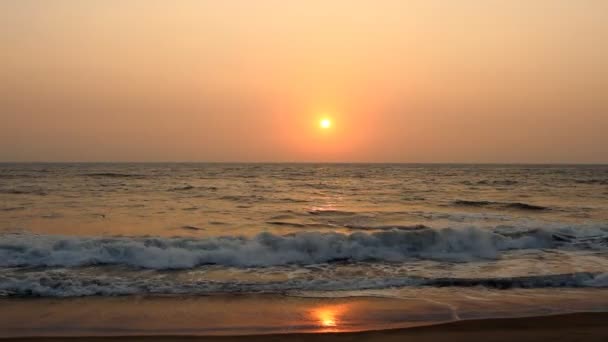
191, 229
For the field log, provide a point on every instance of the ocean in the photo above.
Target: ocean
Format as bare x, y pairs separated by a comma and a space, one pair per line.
107, 230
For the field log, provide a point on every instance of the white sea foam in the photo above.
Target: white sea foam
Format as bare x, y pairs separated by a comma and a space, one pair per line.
600, 280
266, 249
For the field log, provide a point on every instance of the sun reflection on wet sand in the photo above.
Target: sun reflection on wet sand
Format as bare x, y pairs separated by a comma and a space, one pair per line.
329, 318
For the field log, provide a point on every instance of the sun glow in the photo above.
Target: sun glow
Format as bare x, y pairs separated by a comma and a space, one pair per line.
325, 123
327, 318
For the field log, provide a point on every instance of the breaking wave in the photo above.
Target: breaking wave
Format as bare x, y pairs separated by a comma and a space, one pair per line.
266, 249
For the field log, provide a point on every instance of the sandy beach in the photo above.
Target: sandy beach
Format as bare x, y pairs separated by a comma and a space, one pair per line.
570, 327
250, 315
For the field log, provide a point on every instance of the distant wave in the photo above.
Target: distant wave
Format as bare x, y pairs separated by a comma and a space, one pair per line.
266, 249
37, 192
182, 188
330, 212
243, 198
12, 208
297, 225
386, 227
113, 175
60, 283
187, 187
592, 181
497, 182
499, 205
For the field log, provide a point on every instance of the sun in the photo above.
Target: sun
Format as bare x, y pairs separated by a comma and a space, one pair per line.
325, 123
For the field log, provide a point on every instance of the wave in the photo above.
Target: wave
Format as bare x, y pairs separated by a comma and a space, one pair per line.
592, 181
190, 227
497, 182
182, 188
330, 212
37, 192
579, 279
186, 187
266, 249
387, 227
12, 208
297, 225
500, 205
243, 198
113, 175
525, 206
59, 283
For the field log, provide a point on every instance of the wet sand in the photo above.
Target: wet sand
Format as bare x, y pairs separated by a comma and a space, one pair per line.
570, 327
418, 314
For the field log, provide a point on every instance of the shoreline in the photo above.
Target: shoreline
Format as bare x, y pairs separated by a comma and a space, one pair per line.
584, 326
269, 315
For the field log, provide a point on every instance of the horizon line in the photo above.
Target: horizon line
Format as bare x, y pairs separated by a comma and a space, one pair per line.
306, 162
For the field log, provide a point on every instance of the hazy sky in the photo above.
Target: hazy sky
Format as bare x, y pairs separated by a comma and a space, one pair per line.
228, 80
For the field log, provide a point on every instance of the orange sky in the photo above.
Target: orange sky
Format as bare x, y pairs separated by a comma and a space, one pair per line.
403, 81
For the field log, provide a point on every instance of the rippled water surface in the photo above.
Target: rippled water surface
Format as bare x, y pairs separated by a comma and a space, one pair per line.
113, 229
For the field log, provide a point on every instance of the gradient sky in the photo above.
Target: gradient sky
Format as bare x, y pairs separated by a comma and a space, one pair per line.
403, 81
